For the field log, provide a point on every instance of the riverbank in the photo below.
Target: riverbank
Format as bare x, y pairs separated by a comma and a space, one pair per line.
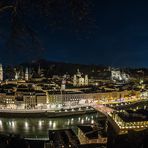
43, 113
140, 104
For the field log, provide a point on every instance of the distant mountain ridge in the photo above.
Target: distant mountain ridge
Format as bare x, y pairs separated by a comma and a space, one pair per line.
56, 68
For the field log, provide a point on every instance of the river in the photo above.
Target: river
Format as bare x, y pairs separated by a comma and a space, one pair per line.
38, 127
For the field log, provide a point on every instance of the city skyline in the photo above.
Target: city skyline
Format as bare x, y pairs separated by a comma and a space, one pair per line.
73, 74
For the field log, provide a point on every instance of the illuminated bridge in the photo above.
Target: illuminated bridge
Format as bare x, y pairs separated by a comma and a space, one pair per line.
120, 126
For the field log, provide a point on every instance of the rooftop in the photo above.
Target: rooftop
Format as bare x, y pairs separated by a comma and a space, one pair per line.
89, 131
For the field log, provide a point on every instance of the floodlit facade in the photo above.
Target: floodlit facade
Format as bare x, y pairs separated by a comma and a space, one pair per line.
79, 80
118, 76
27, 74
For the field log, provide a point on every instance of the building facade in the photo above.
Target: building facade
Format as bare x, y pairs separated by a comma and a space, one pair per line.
80, 80
90, 97
118, 76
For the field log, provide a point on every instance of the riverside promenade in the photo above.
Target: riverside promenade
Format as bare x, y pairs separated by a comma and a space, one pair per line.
45, 112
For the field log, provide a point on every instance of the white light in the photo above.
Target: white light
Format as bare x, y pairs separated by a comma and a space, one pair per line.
92, 122
54, 125
13, 124
9, 123
68, 122
1, 123
82, 121
72, 120
40, 123
26, 125
50, 123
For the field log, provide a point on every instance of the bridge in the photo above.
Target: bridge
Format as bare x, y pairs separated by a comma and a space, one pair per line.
120, 126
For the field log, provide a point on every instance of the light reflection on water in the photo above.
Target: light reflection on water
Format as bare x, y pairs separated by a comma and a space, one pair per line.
38, 127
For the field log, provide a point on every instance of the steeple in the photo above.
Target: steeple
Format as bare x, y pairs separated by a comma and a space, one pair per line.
1, 72
39, 70
22, 74
27, 74
74, 80
86, 80
78, 73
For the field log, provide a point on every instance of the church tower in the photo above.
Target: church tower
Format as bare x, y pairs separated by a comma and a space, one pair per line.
86, 80
1, 72
22, 74
39, 70
27, 74
17, 74
74, 80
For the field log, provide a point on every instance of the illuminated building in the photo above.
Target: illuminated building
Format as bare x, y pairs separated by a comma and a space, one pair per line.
1, 72
118, 76
78, 80
63, 85
89, 135
26, 75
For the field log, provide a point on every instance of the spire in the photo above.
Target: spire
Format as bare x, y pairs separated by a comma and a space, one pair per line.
26, 74
1, 72
39, 70
78, 73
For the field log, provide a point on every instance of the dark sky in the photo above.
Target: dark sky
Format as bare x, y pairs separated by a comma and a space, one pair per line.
112, 32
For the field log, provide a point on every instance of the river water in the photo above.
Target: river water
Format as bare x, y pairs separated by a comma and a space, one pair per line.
38, 127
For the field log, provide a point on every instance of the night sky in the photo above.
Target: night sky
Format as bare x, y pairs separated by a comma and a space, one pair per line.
108, 32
